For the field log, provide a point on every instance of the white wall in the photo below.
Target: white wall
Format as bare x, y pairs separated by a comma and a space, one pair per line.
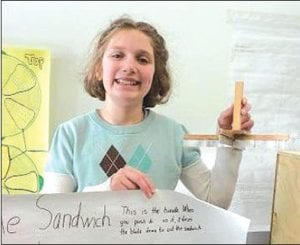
197, 35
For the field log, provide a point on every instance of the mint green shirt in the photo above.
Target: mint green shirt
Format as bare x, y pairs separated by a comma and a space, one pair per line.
90, 150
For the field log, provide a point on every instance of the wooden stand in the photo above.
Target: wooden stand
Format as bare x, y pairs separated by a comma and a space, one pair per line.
236, 132
285, 225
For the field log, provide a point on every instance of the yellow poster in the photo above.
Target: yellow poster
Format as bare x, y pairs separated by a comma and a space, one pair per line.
25, 118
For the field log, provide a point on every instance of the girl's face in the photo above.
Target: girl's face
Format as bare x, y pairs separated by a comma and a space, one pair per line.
128, 67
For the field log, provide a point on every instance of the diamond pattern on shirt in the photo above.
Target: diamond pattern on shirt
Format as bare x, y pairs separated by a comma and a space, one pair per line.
112, 161
140, 159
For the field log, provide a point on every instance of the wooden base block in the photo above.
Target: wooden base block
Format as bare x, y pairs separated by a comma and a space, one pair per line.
285, 225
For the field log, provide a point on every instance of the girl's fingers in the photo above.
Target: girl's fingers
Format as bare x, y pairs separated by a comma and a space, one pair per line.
245, 108
122, 187
225, 118
128, 183
129, 178
228, 112
245, 118
247, 125
119, 181
141, 180
116, 184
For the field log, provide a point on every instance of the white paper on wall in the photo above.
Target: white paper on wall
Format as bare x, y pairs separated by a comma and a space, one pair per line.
118, 217
266, 56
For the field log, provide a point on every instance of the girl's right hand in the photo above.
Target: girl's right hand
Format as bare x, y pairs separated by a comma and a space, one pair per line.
128, 178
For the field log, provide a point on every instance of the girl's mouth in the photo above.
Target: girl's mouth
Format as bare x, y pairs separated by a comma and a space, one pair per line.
127, 82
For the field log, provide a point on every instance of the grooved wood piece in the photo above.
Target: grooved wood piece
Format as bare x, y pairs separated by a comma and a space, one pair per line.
263, 137
239, 89
248, 136
201, 137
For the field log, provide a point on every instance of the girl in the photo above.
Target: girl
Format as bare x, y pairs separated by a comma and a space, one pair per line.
125, 145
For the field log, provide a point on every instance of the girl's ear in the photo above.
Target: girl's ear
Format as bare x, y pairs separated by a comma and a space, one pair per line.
98, 72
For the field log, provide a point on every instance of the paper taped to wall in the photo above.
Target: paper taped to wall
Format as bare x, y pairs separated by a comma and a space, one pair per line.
25, 124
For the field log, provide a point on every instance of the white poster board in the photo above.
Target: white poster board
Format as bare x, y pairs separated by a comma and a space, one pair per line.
266, 56
117, 217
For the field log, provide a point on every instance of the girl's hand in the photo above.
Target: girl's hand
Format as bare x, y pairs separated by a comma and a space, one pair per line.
129, 178
226, 117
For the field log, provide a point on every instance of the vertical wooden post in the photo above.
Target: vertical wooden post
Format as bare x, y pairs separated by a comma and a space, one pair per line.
239, 88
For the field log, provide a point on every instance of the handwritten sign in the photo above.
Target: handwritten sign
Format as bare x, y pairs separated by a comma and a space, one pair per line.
117, 217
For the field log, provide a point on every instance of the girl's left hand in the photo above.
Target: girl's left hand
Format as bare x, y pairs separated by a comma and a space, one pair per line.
129, 178
226, 117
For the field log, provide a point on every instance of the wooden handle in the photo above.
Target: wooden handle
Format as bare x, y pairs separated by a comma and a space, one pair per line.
239, 89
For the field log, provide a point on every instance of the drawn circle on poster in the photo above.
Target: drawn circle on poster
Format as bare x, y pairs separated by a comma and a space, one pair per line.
21, 96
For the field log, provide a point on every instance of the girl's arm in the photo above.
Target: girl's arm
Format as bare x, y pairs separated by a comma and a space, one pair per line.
215, 186
58, 183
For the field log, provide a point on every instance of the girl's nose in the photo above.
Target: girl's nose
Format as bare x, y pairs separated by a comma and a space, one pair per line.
129, 66
129, 70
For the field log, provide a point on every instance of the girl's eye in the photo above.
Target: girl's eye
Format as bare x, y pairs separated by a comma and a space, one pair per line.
143, 60
117, 56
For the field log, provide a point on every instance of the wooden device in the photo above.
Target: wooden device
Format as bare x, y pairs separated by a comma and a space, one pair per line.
236, 132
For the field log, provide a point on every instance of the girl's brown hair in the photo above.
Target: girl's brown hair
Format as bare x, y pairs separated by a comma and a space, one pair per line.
161, 84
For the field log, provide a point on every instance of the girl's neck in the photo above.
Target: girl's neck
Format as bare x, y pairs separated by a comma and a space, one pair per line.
117, 115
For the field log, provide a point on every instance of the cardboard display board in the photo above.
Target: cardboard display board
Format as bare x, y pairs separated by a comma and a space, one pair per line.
286, 205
